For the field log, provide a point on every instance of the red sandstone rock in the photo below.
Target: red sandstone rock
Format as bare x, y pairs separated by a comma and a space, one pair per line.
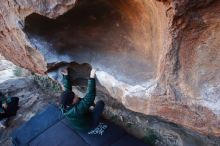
157, 57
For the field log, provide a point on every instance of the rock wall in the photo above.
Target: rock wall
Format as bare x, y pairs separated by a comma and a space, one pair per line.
157, 57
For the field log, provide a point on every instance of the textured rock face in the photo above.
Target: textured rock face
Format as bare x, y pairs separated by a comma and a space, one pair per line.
156, 57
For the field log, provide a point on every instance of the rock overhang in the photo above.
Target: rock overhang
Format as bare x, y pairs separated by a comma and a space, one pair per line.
167, 52
105, 34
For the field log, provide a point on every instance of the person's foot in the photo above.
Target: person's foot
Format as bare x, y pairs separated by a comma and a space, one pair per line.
4, 123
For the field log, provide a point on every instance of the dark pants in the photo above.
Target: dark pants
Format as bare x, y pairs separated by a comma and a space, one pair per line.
12, 108
97, 112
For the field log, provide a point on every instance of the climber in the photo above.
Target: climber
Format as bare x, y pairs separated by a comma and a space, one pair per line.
77, 110
8, 108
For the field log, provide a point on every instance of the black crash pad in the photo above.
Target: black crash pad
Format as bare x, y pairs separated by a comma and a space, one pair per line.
105, 133
39, 123
49, 128
58, 135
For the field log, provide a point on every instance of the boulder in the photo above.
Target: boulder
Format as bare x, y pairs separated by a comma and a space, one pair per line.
157, 57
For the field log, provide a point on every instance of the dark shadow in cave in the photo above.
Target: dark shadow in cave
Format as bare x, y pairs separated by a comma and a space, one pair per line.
93, 32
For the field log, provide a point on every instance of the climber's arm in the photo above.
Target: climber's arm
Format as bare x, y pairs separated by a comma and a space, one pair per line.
66, 81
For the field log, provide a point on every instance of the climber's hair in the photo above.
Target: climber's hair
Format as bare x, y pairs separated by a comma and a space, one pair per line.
66, 98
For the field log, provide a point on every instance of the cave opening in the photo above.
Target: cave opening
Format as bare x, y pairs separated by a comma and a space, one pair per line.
118, 37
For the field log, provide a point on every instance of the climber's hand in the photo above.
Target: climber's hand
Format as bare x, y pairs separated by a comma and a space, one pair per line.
4, 105
64, 71
92, 73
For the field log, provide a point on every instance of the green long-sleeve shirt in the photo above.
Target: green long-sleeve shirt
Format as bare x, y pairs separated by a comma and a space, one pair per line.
79, 114
66, 81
